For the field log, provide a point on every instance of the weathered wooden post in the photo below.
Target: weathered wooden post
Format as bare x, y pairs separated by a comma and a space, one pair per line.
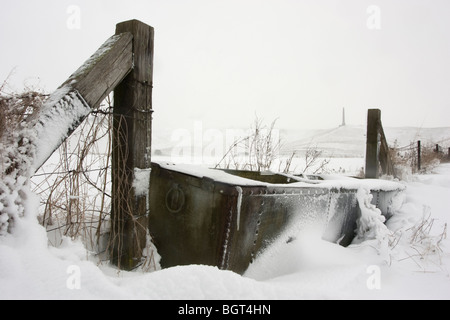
419, 155
131, 152
377, 149
373, 144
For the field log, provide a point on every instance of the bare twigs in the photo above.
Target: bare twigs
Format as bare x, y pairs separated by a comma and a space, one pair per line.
423, 247
423, 243
74, 185
255, 152
314, 161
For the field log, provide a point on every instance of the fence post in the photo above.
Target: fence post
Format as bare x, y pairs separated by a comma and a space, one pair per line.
419, 155
131, 152
373, 145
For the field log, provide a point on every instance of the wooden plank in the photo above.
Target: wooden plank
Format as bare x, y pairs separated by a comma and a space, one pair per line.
385, 156
85, 89
131, 152
104, 70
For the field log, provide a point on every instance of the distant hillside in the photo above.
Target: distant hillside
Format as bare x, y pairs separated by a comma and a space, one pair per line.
346, 141
341, 142
407, 135
349, 141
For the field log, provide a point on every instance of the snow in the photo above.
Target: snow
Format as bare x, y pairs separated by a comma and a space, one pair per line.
59, 116
354, 137
201, 171
141, 181
414, 264
371, 223
98, 55
330, 181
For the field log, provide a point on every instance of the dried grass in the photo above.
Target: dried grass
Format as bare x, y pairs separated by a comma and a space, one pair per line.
425, 246
76, 200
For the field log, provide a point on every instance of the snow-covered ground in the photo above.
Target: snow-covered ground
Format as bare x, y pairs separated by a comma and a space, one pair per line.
410, 259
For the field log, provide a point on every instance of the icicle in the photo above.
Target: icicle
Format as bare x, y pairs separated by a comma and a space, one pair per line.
238, 206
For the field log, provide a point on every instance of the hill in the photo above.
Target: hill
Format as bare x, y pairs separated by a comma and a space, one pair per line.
201, 145
349, 141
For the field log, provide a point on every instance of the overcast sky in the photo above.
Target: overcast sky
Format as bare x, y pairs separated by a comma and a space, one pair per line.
222, 62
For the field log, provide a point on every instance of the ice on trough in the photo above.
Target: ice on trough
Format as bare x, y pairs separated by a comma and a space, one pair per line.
225, 218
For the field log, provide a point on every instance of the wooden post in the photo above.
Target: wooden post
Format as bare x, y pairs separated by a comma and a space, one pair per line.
373, 145
131, 152
419, 155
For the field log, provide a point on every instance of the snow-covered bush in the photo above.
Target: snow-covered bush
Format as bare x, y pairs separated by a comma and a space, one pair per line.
16, 150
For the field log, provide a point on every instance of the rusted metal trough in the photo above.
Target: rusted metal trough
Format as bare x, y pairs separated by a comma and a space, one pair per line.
225, 218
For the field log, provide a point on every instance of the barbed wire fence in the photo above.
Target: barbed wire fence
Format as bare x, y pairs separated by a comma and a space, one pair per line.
74, 185
420, 157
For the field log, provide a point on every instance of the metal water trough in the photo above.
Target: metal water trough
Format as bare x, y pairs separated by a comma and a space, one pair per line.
225, 218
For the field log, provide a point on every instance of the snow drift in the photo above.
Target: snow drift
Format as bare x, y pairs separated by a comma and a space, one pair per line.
413, 266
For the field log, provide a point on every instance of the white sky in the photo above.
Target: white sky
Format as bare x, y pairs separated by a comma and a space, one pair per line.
222, 62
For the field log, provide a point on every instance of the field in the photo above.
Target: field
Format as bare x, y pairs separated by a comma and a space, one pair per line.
408, 259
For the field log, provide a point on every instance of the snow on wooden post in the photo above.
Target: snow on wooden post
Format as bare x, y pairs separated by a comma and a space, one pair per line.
131, 152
